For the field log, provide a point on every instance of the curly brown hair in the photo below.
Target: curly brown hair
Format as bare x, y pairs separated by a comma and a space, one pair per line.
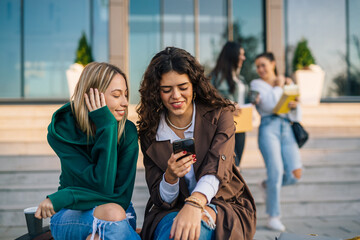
182, 62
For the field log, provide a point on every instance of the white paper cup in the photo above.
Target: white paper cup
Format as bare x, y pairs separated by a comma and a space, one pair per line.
34, 225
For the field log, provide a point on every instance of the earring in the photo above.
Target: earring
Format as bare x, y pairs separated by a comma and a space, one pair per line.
194, 96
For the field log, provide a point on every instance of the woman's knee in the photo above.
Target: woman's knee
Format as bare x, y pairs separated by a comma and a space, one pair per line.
297, 173
110, 212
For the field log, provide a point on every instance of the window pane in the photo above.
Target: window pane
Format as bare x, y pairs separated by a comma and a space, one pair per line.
178, 24
213, 30
248, 27
10, 77
325, 31
144, 40
100, 46
52, 31
354, 48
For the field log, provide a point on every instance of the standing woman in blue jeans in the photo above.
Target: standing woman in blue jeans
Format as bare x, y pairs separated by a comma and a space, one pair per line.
98, 150
276, 138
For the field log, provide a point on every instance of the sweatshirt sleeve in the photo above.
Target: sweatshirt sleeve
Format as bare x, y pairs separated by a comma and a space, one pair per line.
97, 170
127, 163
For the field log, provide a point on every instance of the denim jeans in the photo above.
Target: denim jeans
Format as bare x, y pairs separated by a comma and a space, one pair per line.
76, 224
162, 231
281, 156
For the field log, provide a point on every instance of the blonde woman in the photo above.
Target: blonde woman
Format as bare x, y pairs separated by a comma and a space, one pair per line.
98, 151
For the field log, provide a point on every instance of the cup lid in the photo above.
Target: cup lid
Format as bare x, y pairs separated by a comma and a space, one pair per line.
30, 210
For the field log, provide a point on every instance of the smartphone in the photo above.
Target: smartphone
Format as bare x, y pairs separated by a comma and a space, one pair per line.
252, 96
186, 144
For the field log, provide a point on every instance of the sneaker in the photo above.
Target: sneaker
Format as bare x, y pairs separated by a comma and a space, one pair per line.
274, 223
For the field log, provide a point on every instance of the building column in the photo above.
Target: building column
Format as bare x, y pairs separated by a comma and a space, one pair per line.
275, 32
119, 34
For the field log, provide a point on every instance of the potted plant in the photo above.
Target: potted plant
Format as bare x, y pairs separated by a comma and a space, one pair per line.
83, 57
308, 76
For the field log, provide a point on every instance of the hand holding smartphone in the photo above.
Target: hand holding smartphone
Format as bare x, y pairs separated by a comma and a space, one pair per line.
186, 144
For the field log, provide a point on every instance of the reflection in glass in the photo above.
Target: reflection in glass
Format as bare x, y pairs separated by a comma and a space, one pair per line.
212, 26
353, 87
178, 24
100, 46
10, 67
144, 41
52, 31
249, 30
325, 30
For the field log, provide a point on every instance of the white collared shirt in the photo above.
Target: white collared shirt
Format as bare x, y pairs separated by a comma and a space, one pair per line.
207, 185
269, 96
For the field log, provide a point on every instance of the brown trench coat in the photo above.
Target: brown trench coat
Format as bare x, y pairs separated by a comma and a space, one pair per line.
214, 146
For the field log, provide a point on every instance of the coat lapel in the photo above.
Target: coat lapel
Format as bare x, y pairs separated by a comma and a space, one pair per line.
203, 135
160, 152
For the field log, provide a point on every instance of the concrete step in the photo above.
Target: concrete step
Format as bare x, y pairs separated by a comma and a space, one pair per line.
25, 148
12, 232
19, 135
29, 178
29, 163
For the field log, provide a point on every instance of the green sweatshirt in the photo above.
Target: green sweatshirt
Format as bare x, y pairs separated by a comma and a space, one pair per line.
97, 170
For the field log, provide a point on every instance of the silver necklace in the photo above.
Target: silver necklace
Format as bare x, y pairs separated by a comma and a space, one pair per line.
178, 128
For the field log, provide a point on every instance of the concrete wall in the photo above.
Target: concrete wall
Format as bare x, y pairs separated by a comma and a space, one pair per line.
119, 34
275, 32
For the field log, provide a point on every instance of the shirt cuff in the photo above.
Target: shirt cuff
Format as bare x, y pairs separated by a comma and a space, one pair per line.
169, 192
207, 185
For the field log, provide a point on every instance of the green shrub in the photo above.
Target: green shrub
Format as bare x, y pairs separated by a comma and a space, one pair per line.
83, 53
302, 56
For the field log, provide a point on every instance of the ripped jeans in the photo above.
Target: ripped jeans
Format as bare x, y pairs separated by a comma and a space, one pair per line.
281, 155
75, 224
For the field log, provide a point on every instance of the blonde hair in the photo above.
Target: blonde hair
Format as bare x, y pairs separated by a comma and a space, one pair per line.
95, 75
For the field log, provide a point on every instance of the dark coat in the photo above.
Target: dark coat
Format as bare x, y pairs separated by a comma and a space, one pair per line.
214, 145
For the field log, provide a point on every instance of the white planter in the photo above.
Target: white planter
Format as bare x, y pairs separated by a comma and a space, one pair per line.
73, 75
310, 82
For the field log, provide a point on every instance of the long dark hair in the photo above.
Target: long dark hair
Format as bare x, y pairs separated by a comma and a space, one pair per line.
269, 56
180, 61
226, 64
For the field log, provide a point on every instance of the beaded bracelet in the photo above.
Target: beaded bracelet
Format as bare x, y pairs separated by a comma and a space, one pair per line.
194, 205
195, 201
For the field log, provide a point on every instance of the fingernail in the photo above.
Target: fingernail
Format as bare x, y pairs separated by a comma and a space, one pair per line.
184, 152
194, 156
170, 236
195, 159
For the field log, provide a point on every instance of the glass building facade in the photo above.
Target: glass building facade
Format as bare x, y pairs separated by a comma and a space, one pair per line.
332, 30
38, 43
201, 27
39, 39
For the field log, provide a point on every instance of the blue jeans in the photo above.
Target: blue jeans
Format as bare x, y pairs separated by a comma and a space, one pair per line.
75, 224
162, 231
281, 156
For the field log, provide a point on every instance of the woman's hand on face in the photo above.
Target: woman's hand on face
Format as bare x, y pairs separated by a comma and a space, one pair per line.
178, 168
45, 209
288, 81
187, 224
94, 100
